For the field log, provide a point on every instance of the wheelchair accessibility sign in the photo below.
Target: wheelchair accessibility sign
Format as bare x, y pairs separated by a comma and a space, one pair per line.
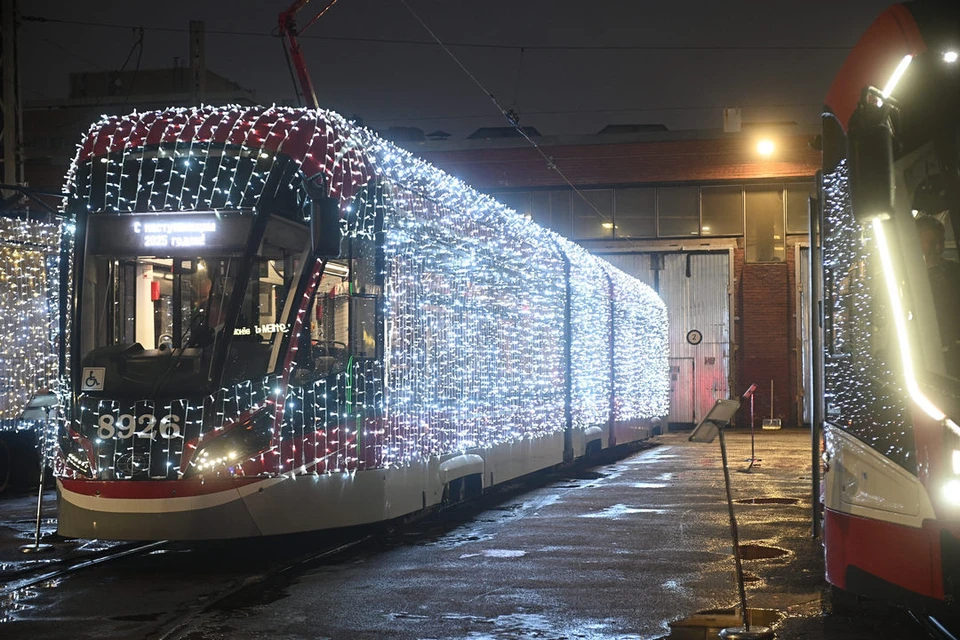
92, 379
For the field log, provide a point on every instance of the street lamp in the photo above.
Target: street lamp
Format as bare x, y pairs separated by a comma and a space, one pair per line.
766, 147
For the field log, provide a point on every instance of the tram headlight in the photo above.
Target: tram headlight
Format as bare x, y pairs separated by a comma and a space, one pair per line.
235, 445
951, 491
74, 455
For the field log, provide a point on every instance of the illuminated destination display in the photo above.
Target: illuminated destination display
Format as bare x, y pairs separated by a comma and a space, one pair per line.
168, 234
180, 233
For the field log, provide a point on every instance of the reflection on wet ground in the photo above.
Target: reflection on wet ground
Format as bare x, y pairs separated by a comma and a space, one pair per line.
630, 549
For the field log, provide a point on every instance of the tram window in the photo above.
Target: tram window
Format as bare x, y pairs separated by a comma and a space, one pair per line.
323, 347
153, 302
265, 311
364, 317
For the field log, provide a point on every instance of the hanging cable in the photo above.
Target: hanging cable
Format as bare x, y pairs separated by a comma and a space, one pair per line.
514, 111
507, 115
133, 78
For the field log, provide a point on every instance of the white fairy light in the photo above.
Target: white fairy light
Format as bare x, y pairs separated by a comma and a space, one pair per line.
473, 302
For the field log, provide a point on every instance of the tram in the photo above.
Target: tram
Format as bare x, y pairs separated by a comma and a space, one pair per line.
890, 340
283, 323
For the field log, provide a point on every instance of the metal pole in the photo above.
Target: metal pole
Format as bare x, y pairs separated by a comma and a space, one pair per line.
771, 400
744, 632
753, 429
36, 546
733, 533
43, 474
816, 337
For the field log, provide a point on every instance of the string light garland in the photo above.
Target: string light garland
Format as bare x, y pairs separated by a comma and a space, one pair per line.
861, 391
29, 320
469, 301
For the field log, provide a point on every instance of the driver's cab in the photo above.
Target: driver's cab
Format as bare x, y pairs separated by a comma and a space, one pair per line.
170, 304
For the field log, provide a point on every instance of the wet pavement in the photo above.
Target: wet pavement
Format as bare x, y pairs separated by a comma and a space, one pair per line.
634, 548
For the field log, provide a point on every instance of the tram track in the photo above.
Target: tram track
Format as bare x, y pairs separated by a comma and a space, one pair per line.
179, 619
934, 627
240, 594
113, 554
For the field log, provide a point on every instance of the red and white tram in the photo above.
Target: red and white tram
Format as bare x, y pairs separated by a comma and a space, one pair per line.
282, 323
891, 297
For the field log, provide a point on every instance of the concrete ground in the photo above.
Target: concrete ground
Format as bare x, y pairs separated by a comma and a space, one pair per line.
637, 547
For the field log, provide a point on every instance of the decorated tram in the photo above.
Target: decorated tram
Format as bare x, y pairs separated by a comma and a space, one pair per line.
281, 322
891, 298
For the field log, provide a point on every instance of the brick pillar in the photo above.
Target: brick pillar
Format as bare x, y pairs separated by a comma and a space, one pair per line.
766, 328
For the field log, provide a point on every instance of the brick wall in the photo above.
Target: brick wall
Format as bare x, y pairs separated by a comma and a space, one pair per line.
585, 165
766, 334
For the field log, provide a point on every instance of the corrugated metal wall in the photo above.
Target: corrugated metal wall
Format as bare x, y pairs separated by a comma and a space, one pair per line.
695, 288
636, 264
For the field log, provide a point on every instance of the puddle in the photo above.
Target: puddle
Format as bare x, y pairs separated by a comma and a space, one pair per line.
458, 539
708, 624
496, 553
768, 501
15, 602
618, 510
139, 617
760, 552
403, 615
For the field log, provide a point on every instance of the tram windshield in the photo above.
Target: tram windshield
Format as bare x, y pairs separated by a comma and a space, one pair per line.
161, 292
926, 178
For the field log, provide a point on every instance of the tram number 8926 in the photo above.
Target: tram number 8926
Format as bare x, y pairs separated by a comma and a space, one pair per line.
146, 426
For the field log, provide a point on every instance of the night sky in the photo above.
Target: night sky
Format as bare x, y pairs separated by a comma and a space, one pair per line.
584, 64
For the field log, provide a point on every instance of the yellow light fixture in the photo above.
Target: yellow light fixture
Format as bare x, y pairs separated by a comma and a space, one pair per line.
766, 147
897, 74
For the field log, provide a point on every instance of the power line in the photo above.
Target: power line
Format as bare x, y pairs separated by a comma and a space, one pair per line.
474, 45
510, 116
562, 112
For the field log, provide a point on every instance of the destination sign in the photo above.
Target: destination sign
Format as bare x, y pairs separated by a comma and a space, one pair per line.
168, 234
183, 233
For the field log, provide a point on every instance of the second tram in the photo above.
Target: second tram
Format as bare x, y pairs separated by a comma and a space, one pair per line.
891, 298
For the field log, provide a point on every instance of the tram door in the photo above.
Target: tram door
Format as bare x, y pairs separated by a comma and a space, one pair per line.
696, 289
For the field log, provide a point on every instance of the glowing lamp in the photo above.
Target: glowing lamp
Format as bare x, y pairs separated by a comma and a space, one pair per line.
766, 147
951, 492
897, 74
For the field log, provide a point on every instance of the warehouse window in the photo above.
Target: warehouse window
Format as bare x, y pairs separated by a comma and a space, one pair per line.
678, 209
592, 214
721, 211
764, 213
636, 213
798, 212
